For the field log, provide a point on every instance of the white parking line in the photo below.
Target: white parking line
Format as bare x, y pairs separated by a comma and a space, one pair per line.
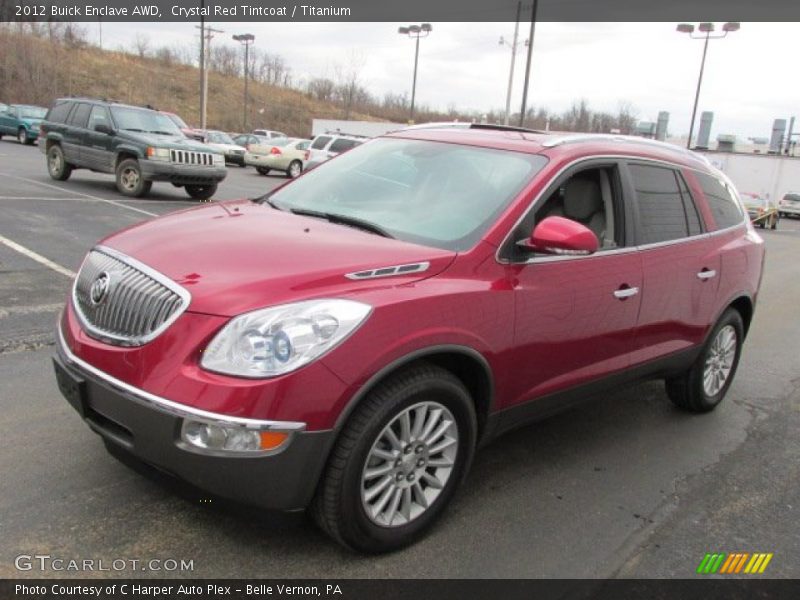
30, 310
69, 191
37, 257
39, 198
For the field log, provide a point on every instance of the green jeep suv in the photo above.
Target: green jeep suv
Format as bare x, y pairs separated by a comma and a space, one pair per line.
138, 145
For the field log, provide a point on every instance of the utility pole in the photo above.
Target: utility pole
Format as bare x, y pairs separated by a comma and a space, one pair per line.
246, 39
524, 108
513, 60
206, 35
415, 31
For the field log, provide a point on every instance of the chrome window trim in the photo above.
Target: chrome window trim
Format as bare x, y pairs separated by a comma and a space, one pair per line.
168, 406
577, 161
117, 340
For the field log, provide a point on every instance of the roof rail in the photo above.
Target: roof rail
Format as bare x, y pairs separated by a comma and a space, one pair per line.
339, 132
631, 139
468, 125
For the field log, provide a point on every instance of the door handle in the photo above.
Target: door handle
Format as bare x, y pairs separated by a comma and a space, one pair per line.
706, 274
626, 292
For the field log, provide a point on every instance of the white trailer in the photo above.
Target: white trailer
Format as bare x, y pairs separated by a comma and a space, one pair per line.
365, 128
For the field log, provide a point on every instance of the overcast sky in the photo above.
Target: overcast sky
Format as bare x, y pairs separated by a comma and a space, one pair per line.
749, 78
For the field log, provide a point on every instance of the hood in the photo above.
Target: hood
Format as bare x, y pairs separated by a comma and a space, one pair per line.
238, 256
178, 142
32, 122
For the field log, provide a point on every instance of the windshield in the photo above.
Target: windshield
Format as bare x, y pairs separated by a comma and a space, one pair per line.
432, 193
792, 197
178, 121
32, 112
218, 137
135, 119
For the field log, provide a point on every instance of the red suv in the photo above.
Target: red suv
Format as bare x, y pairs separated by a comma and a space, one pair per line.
345, 342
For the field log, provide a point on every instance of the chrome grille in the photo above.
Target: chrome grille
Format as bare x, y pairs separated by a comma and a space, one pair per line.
123, 302
190, 157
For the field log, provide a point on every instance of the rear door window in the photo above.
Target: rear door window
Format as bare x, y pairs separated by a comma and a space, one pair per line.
692, 215
721, 200
80, 116
662, 216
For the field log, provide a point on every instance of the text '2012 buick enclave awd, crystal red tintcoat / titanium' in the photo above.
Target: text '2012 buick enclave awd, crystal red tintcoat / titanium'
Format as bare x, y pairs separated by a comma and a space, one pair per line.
345, 342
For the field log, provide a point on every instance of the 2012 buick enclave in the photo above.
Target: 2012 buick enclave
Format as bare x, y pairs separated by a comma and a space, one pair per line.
345, 342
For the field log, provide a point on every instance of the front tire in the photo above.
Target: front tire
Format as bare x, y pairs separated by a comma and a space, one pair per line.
129, 179
57, 165
262, 170
201, 192
398, 461
295, 169
22, 137
703, 386
774, 224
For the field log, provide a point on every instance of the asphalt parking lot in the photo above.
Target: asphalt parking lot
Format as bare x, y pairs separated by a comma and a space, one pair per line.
624, 486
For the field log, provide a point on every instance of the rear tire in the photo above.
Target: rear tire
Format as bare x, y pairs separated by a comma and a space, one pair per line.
703, 386
57, 165
201, 192
359, 510
262, 170
129, 179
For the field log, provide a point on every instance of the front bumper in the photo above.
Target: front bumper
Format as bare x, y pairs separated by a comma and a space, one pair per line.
235, 159
178, 174
148, 428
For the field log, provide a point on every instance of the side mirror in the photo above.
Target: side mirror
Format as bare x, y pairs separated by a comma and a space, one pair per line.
557, 235
103, 128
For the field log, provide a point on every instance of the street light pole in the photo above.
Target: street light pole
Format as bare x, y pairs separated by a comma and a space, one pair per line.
417, 32
246, 39
706, 29
513, 59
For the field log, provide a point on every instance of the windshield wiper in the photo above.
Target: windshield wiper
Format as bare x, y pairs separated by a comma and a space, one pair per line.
343, 220
162, 132
133, 129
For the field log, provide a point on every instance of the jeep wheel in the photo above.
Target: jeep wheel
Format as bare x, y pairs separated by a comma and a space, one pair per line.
201, 192
295, 169
57, 166
704, 385
262, 170
398, 461
129, 179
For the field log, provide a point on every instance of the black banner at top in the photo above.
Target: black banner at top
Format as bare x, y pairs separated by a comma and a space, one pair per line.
399, 10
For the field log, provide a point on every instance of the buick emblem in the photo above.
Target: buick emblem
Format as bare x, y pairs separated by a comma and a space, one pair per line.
99, 289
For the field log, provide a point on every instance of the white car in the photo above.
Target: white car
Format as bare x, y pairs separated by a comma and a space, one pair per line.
328, 145
222, 142
268, 133
789, 206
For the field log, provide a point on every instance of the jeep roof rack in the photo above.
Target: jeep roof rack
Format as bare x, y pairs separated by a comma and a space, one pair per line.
338, 132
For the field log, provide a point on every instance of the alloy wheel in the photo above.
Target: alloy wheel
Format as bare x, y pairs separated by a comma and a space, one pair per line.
719, 361
129, 178
409, 464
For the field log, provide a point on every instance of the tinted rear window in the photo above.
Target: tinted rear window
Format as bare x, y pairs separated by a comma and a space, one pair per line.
343, 144
320, 142
722, 201
662, 216
60, 112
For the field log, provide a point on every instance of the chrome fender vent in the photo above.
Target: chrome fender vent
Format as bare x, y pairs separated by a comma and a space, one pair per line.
390, 271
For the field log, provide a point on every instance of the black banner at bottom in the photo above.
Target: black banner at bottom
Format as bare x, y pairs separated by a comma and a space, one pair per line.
401, 589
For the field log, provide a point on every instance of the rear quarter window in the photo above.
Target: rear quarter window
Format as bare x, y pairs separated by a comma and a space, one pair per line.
59, 112
721, 200
80, 116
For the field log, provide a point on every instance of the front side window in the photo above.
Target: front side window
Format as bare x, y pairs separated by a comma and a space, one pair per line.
431, 193
662, 216
99, 116
143, 121
721, 200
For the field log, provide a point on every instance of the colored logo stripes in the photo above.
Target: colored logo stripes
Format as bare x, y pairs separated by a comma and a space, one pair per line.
736, 562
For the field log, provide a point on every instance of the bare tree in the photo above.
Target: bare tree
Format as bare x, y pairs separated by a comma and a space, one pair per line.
142, 45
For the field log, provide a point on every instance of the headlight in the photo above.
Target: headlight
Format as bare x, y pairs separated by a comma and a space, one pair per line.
278, 340
219, 159
157, 153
